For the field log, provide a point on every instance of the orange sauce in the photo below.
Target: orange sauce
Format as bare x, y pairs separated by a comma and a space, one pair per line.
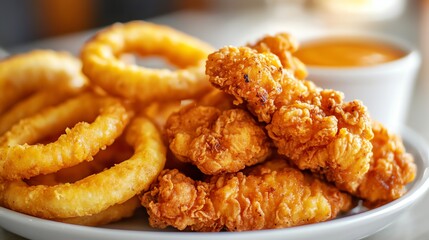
347, 52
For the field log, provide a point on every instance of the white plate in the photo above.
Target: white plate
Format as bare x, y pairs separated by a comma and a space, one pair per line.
359, 224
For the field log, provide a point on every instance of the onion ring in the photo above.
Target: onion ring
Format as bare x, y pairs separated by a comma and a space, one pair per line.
18, 159
33, 105
102, 66
112, 214
112, 186
27, 73
103, 159
114, 154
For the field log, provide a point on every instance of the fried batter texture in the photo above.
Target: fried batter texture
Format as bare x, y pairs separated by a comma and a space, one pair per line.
95, 126
97, 192
315, 128
100, 60
28, 80
24, 74
114, 154
392, 168
272, 195
111, 214
251, 78
215, 140
283, 45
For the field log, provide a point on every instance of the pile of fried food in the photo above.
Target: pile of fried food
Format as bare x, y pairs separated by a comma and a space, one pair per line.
234, 139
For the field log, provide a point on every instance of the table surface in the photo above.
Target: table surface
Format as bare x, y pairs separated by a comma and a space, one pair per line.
237, 28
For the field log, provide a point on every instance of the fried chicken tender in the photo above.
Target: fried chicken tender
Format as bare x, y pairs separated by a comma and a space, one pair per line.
315, 128
272, 195
391, 169
249, 77
216, 140
283, 45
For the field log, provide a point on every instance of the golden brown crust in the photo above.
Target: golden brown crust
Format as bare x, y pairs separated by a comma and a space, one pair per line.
313, 127
179, 201
215, 140
247, 76
392, 168
264, 199
283, 45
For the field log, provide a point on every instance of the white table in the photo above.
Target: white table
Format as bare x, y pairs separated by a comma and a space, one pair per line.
237, 28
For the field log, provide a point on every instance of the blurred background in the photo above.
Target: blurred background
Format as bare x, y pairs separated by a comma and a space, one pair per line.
24, 21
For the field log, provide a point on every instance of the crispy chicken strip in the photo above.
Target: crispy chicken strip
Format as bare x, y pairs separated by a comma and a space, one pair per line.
251, 78
315, 128
216, 140
283, 45
391, 169
272, 195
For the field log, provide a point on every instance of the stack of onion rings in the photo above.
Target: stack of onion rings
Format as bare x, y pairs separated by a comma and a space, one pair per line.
80, 143
71, 151
107, 188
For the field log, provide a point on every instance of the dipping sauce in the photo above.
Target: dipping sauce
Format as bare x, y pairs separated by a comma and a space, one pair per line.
347, 52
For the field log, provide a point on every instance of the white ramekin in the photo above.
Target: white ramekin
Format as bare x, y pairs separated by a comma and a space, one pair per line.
384, 88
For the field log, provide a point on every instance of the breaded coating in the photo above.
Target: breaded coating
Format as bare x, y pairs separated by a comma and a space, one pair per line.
314, 141
283, 45
313, 127
273, 195
217, 141
391, 169
247, 76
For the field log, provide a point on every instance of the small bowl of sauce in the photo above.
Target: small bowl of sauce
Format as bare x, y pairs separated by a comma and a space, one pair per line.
348, 52
376, 69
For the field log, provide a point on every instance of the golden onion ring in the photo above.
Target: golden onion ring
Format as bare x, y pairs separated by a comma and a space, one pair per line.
24, 74
33, 105
112, 214
100, 59
112, 186
19, 159
114, 154
104, 159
